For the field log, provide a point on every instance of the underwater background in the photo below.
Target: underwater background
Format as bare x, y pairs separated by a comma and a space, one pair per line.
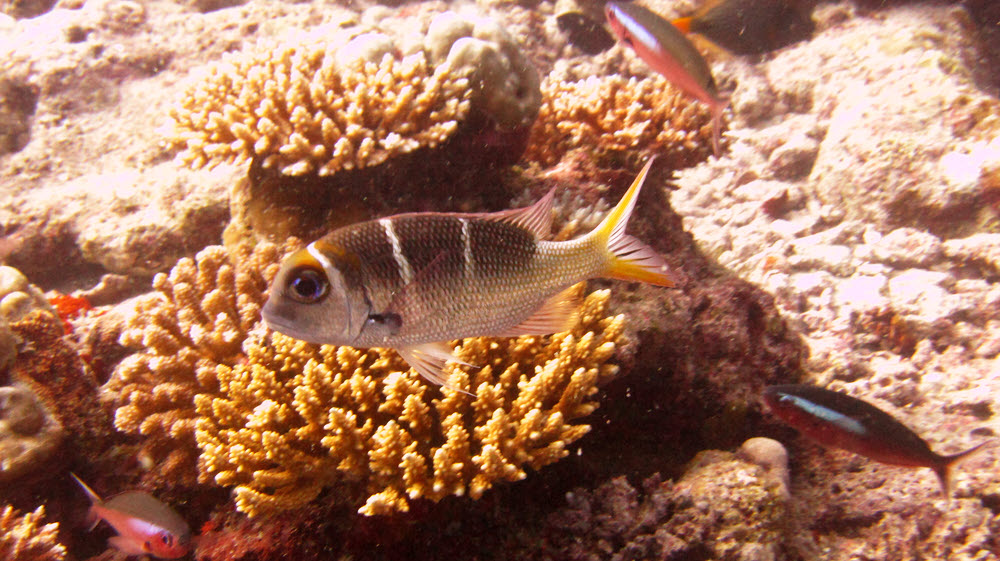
159, 158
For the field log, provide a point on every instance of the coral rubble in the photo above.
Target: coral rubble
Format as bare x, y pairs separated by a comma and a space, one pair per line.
722, 508
25, 538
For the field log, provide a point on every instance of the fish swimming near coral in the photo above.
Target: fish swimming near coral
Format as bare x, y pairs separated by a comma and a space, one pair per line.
839, 420
751, 26
412, 282
669, 52
145, 525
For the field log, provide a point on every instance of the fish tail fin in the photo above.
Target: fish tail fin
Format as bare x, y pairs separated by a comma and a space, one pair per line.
944, 468
684, 24
628, 258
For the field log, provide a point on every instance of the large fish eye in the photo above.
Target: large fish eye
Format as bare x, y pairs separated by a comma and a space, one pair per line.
167, 539
307, 285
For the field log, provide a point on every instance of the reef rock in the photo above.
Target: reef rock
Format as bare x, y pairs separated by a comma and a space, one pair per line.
29, 434
722, 508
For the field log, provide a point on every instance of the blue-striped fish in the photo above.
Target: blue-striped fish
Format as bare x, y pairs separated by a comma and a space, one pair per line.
412, 282
839, 420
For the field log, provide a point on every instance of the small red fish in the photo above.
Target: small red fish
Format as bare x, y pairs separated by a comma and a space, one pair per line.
145, 525
669, 52
841, 421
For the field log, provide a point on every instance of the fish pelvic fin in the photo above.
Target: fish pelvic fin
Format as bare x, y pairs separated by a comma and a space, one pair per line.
429, 360
943, 469
557, 314
628, 258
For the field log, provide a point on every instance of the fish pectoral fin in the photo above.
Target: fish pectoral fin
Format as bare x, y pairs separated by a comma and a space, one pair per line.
536, 218
429, 361
557, 314
127, 546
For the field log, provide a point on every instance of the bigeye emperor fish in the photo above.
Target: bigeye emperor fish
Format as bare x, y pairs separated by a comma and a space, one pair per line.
666, 50
412, 282
145, 525
835, 419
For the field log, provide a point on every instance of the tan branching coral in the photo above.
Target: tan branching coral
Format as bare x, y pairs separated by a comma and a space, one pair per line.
197, 319
296, 417
605, 114
25, 538
279, 419
302, 110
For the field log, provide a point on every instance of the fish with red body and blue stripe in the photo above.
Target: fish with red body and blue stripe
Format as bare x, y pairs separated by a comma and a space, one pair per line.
413, 282
836, 419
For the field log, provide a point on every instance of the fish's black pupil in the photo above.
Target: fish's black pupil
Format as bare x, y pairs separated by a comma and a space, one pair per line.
308, 285
166, 539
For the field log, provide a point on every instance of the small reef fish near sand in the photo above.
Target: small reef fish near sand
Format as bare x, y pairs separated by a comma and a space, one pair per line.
750, 26
412, 282
669, 52
145, 525
839, 420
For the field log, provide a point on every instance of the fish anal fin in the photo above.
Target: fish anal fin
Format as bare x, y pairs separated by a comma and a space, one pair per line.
429, 360
536, 218
944, 468
557, 314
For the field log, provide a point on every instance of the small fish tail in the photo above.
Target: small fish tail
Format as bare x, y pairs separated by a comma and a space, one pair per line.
684, 24
628, 258
944, 467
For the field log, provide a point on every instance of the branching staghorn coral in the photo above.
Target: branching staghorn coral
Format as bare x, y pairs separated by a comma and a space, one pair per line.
279, 419
615, 114
25, 538
197, 319
296, 418
301, 110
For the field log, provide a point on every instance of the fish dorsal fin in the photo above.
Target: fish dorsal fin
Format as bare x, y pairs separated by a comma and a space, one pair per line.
429, 360
536, 218
557, 314
94, 497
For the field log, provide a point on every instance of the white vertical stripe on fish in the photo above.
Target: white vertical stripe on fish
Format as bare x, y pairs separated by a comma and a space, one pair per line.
323, 260
470, 264
405, 271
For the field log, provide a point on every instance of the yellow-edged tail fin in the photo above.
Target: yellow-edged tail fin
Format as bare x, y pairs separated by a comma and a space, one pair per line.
629, 259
